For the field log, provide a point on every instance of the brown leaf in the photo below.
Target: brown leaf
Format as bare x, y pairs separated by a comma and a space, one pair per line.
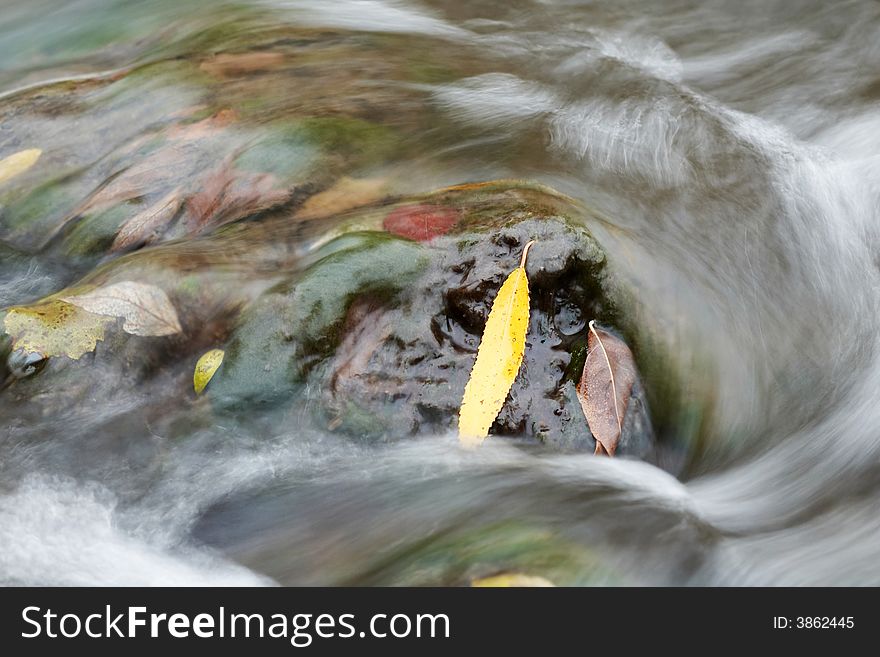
605, 387
164, 168
227, 195
146, 308
208, 127
147, 224
205, 203
253, 193
232, 64
345, 194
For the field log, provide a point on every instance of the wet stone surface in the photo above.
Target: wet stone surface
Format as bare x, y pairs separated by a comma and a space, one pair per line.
378, 340
405, 365
371, 336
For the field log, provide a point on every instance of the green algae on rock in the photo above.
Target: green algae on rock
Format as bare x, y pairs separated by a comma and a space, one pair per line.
291, 326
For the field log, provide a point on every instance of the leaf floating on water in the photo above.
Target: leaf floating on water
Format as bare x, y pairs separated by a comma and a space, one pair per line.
605, 387
205, 368
18, 163
146, 308
498, 358
512, 580
55, 328
147, 224
345, 194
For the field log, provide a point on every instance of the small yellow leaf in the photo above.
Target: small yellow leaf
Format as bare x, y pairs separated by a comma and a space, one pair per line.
18, 163
55, 328
205, 369
512, 580
498, 358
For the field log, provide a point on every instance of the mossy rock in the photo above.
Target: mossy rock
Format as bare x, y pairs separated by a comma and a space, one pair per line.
283, 334
400, 367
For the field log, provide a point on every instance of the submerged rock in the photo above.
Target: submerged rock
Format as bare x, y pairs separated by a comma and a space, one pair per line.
369, 334
401, 365
233, 130
283, 334
283, 228
378, 337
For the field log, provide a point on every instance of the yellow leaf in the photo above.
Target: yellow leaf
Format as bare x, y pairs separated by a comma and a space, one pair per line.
205, 369
55, 328
498, 358
512, 580
18, 163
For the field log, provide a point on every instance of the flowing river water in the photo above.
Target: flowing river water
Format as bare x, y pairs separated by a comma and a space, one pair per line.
729, 155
